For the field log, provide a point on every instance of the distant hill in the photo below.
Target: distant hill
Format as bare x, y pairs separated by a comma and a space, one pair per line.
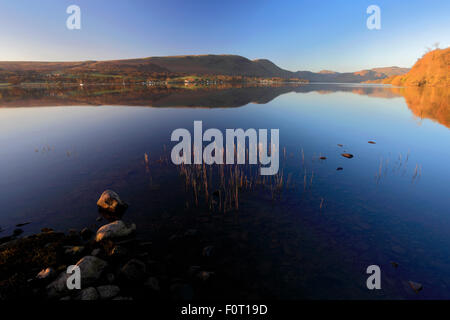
432, 70
229, 65
391, 71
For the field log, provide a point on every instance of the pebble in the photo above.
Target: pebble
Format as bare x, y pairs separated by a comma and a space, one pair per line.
45, 274
73, 251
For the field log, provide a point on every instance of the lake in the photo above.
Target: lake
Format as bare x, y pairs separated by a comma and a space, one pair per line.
313, 237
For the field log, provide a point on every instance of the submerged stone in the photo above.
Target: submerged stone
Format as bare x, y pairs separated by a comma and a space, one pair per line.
22, 224
415, 286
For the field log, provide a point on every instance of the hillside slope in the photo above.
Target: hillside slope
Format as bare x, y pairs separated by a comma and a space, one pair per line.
432, 70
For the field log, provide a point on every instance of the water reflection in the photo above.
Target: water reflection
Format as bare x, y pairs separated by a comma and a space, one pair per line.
431, 103
315, 238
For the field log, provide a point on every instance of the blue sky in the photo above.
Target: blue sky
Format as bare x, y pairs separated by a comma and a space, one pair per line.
295, 34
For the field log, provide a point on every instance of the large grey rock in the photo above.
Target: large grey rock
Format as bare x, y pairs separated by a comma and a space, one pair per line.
110, 202
91, 268
108, 291
58, 287
116, 229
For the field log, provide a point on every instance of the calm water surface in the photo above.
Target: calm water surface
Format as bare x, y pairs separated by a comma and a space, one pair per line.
59, 151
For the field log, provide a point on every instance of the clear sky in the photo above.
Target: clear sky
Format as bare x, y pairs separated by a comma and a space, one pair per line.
295, 34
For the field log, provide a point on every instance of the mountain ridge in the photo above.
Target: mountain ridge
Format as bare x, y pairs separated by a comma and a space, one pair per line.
209, 64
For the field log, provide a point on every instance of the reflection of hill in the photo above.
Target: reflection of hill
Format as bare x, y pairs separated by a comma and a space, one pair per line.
425, 102
371, 91
208, 97
428, 102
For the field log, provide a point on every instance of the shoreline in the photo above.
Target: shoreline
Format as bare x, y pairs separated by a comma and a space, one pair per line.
180, 263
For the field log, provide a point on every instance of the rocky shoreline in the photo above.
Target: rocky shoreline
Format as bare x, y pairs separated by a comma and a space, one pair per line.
116, 265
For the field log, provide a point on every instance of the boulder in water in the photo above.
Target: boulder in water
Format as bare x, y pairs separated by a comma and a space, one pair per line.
111, 203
